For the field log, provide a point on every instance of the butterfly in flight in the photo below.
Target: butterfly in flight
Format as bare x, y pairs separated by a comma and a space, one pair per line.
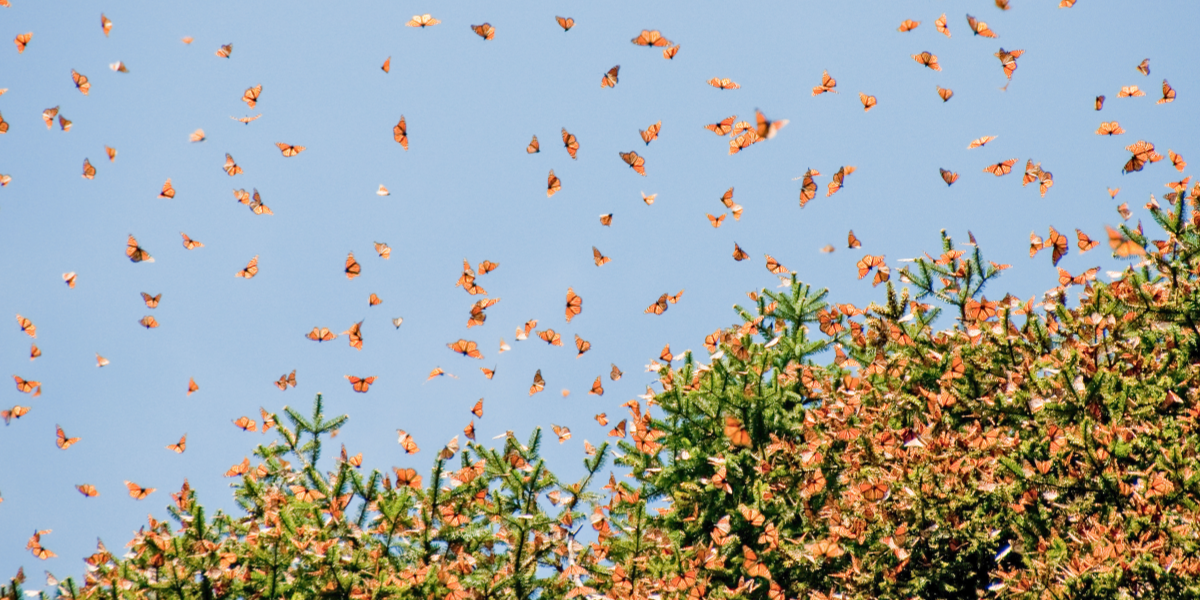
192, 386
286, 380
360, 384
387, 65
634, 161
1130, 91
81, 82
89, 172
422, 21
245, 120
908, 25
852, 240
22, 40
466, 348
927, 59
610, 78
1001, 168
353, 269
138, 492
400, 133
135, 252
69, 279
250, 96
1109, 128
868, 102
553, 184
105, 24
650, 133
565, 22
63, 442
1168, 93
948, 176
225, 51
151, 301
539, 383
980, 142
838, 178
231, 167
485, 31
739, 254
723, 127
533, 147
1144, 67
715, 221
652, 39
808, 187
289, 150
944, 93
940, 24
251, 269
355, 335
599, 258
827, 85
88, 490
980, 28
669, 53
571, 144
723, 83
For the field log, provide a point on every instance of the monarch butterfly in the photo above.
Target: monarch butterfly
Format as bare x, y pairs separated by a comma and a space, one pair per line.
1176, 160
101, 361
610, 78
940, 24
533, 146
34, 545
257, 206
553, 184
192, 386
151, 301
148, 322
565, 22
581, 345
867, 263
1008, 60
550, 337
563, 433
1065, 278
374, 300
597, 389
5, 179
135, 252
838, 178
48, 116
466, 348
489, 373
168, 191
231, 167
286, 380
723, 127
852, 240
89, 172
321, 334
1110, 128
422, 21
64, 123
1045, 181
615, 373
979, 142
600, 259
88, 490
1057, 241
648, 199
650, 133
737, 434
360, 384
669, 53
81, 82
63, 441
767, 129
723, 84
827, 84
743, 141
251, 269
22, 40
571, 144
1085, 243
739, 254
808, 187
928, 60
4, 125
382, 191
27, 326
652, 39
477, 410
1168, 93
980, 28
15, 412
289, 150
620, 430
868, 102
659, 306
224, 51
387, 65
948, 176
197, 136
355, 335
539, 384
250, 96
1123, 246
485, 31
774, 267
407, 478
1031, 172
353, 269
189, 243
1130, 91
28, 385
400, 133
406, 440
606, 220
1144, 67
246, 120
908, 25
715, 221
634, 161
1001, 168
34, 351
245, 424
944, 93
397, 321
105, 24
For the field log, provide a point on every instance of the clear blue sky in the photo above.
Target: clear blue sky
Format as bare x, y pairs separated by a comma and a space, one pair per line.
467, 189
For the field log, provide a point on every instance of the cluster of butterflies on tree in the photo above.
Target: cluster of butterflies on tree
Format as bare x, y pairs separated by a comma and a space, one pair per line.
741, 136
